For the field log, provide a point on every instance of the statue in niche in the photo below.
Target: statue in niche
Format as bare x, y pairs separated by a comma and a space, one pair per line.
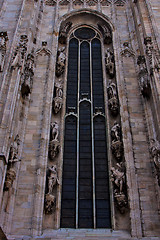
54, 131
3, 47
109, 60
64, 32
61, 59
112, 98
144, 81
118, 178
52, 179
116, 144
155, 153
27, 76
13, 158
20, 52
106, 33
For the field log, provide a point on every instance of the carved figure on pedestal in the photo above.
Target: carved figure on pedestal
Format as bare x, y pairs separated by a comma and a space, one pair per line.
61, 59
116, 145
52, 179
50, 201
144, 81
3, 46
10, 177
106, 33
112, 98
59, 90
149, 48
13, 158
54, 131
50, 198
155, 152
109, 59
57, 104
118, 178
54, 149
64, 32
27, 77
20, 52
13, 154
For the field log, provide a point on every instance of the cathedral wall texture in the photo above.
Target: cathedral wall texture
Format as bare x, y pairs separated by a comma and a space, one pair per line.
36, 68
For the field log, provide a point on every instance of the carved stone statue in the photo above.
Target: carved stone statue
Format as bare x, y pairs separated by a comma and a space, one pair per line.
3, 46
52, 179
59, 90
54, 149
116, 145
20, 52
109, 59
54, 131
115, 132
50, 201
118, 177
61, 59
112, 98
144, 81
57, 104
149, 48
10, 177
64, 32
121, 201
155, 153
13, 154
106, 33
27, 76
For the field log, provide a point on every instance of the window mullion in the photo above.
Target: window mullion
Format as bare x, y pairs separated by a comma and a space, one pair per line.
92, 130
77, 175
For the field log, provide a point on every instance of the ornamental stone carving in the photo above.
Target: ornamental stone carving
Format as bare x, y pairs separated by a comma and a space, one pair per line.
61, 59
106, 33
20, 52
144, 81
116, 144
3, 47
27, 76
118, 179
64, 32
155, 153
50, 198
112, 98
109, 60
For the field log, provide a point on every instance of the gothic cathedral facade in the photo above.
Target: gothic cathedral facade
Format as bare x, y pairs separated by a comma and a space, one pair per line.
79, 119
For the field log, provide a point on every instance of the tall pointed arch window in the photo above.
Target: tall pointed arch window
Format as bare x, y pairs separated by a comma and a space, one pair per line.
85, 186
